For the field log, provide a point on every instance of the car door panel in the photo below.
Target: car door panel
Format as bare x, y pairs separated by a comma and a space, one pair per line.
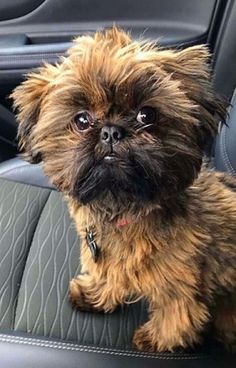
12, 9
171, 22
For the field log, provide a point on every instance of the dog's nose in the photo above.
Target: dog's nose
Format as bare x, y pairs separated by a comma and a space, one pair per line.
112, 134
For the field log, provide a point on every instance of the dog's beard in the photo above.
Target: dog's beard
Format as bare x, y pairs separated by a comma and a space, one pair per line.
128, 180
140, 177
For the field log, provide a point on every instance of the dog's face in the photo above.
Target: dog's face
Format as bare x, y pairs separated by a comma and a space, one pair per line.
119, 117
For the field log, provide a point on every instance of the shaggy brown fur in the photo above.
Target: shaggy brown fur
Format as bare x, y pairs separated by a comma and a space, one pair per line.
177, 245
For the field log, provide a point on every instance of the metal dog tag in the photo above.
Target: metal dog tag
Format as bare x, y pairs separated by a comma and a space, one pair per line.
92, 245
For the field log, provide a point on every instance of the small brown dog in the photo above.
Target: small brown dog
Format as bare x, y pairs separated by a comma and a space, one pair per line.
120, 127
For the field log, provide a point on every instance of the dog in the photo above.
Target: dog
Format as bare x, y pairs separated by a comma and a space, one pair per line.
121, 127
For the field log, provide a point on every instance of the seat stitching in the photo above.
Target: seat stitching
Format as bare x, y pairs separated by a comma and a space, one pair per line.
226, 158
82, 348
64, 343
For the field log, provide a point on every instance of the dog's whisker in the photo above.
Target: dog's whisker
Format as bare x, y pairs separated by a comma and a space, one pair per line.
143, 127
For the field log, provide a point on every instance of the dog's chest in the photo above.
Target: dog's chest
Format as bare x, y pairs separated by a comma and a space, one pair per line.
115, 248
121, 259
141, 262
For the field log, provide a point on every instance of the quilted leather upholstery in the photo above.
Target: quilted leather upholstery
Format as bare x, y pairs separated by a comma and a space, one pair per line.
39, 252
20, 209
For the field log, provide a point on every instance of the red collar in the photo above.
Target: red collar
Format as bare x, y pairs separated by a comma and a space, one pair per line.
123, 222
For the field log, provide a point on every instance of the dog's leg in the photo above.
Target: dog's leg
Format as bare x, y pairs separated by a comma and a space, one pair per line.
225, 325
89, 294
179, 324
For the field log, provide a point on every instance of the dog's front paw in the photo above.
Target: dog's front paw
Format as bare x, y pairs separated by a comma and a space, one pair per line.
142, 340
77, 297
147, 338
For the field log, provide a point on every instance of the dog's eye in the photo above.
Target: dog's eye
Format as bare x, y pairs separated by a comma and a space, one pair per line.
147, 115
83, 120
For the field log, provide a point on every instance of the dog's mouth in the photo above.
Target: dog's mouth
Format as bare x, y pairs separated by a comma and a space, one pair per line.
110, 158
116, 177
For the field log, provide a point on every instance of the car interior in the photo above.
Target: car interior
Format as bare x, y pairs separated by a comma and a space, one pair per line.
39, 247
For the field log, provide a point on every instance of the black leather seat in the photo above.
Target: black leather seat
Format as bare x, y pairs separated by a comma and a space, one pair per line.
39, 254
225, 150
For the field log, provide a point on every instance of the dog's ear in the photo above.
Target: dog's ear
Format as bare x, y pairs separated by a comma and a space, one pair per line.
191, 67
27, 100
